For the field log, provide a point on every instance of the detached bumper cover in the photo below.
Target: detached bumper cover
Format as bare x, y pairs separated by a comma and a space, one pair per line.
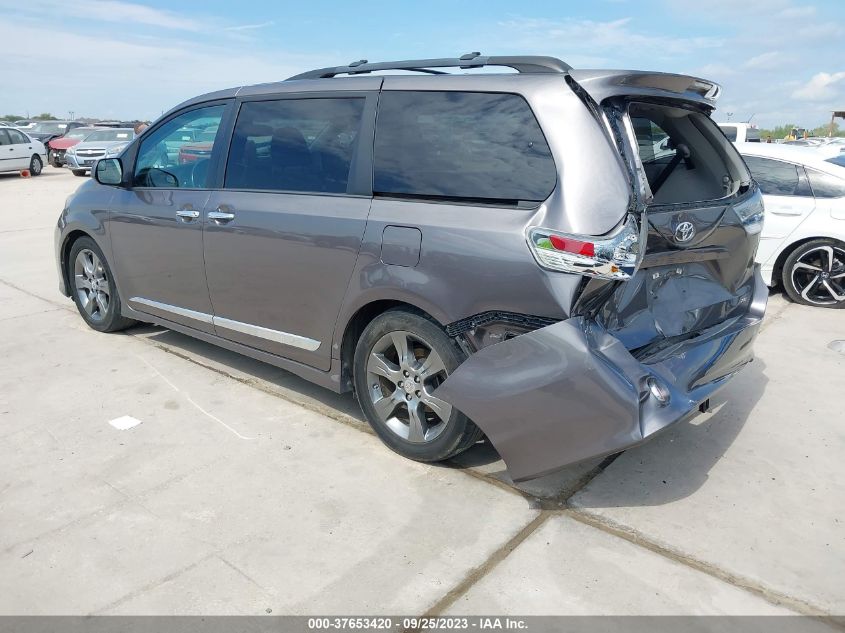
571, 391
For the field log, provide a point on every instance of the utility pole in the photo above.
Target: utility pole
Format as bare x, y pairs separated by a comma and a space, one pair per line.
71, 115
730, 114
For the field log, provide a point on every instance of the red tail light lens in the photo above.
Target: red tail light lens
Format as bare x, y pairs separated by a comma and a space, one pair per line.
613, 257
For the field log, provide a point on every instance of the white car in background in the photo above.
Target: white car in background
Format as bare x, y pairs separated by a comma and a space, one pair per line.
19, 151
802, 245
740, 132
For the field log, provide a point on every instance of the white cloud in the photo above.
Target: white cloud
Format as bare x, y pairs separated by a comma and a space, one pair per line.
765, 61
822, 87
250, 27
797, 13
113, 11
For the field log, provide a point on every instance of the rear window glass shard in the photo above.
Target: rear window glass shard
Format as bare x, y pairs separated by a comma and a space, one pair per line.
461, 146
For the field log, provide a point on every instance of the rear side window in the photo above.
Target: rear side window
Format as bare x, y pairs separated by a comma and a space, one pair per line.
4, 138
17, 137
776, 177
461, 146
826, 186
302, 145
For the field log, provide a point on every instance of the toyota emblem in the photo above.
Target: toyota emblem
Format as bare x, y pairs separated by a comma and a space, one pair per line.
684, 232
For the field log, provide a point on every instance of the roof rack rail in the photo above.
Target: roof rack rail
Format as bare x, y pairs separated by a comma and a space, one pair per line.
520, 63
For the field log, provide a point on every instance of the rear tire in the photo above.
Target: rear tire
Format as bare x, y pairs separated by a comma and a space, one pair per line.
35, 165
78, 172
399, 361
93, 288
814, 274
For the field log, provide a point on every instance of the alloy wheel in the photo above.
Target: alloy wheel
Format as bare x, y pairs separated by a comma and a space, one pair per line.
819, 275
402, 372
92, 285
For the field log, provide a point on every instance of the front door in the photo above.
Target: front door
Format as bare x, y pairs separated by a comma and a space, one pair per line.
156, 224
283, 234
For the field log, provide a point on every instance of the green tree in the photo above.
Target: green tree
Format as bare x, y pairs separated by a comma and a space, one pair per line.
46, 116
11, 117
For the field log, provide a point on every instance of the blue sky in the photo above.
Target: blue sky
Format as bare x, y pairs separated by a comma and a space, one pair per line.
778, 60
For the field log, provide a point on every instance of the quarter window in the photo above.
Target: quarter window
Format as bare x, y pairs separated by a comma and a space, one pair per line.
777, 178
178, 153
826, 186
461, 145
303, 145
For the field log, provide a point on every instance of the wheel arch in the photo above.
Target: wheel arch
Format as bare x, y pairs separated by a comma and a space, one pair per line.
69, 240
786, 251
356, 325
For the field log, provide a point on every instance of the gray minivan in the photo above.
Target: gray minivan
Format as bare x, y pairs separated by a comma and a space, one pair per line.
474, 254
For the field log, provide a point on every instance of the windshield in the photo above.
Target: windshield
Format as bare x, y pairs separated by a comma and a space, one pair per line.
49, 126
109, 135
78, 133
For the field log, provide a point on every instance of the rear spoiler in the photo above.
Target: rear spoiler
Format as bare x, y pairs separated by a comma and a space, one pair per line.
603, 84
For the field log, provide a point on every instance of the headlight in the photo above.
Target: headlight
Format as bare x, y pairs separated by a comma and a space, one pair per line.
71, 150
114, 151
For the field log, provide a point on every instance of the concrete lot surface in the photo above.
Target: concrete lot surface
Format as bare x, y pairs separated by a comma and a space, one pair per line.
245, 490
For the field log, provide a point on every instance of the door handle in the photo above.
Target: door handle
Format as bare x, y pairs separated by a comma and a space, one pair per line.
188, 214
222, 215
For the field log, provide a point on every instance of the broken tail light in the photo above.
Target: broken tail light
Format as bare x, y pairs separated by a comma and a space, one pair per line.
614, 257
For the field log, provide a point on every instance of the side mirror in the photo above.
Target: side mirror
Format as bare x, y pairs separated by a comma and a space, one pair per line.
109, 171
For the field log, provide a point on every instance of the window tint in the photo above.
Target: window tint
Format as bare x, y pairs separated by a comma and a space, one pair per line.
461, 145
826, 186
17, 137
776, 178
4, 137
294, 145
730, 132
172, 155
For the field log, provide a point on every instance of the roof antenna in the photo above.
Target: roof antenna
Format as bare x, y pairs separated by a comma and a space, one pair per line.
360, 62
469, 56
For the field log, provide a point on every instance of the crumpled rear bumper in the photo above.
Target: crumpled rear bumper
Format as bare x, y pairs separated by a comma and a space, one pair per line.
571, 391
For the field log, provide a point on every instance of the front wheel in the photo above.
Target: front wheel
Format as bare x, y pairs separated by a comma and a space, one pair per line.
93, 287
35, 165
400, 360
814, 274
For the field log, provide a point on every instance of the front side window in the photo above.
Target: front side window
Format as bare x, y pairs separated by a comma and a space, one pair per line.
461, 146
178, 153
304, 145
824, 185
776, 177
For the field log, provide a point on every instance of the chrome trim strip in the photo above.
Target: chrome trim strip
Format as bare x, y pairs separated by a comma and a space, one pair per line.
277, 336
166, 307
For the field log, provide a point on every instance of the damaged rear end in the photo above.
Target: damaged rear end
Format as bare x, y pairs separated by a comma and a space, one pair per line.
670, 300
